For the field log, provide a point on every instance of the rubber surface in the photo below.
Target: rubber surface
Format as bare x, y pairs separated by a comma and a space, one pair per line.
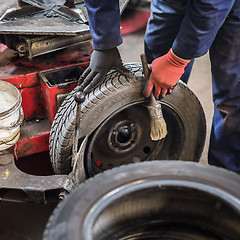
156, 200
118, 92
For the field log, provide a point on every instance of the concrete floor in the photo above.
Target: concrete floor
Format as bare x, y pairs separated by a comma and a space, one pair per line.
199, 82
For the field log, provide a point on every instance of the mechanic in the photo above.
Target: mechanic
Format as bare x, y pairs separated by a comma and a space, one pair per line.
178, 31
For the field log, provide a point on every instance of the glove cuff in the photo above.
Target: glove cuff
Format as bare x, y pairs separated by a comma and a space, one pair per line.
177, 61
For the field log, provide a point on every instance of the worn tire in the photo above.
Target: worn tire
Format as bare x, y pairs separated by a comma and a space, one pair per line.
151, 200
118, 92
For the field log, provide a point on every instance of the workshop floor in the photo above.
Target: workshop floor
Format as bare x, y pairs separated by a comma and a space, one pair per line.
200, 79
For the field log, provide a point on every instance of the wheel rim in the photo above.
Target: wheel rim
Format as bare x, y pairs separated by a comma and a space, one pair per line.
156, 230
124, 138
163, 210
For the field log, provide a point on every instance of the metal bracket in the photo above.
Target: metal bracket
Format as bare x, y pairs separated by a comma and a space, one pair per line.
17, 186
31, 7
35, 46
78, 174
45, 17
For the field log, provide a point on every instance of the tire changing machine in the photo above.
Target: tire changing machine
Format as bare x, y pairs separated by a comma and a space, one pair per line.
31, 34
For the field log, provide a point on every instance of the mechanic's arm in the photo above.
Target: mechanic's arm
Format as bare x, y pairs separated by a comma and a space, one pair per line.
104, 21
198, 30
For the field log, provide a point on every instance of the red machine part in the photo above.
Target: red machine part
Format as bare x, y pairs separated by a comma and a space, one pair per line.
36, 82
133, 21
55, 84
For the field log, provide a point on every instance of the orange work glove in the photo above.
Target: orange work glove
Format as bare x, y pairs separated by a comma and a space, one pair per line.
166, 71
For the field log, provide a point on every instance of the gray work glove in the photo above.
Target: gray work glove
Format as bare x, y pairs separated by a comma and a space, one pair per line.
102, 61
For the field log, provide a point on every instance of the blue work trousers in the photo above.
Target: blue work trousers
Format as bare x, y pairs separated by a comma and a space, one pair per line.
161, 32
162, 29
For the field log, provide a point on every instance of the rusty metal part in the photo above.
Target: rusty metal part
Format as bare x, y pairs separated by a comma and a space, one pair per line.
36, 17
48, 9
78, 174
79, 98
16, 186
37, 27
34, 46
41, 17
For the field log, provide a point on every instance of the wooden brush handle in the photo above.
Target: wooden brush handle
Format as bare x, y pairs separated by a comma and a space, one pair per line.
153, 101
146, 73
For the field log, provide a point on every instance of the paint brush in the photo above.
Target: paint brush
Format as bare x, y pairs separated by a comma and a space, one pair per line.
158, 124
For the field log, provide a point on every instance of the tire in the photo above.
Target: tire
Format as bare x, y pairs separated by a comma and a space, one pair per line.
182, 111
151, 200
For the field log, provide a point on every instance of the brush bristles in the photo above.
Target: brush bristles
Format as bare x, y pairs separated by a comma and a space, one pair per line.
158, 129
158, 124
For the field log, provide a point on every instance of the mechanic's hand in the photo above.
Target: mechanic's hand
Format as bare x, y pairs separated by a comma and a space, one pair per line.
101, 62
166, 71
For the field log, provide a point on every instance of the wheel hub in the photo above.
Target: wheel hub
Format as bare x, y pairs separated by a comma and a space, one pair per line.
123, 136
121, 139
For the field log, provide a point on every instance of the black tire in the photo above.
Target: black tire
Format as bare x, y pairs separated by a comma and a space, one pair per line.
182, 111
151, 200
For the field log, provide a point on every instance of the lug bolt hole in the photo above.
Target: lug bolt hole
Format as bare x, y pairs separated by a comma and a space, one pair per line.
146, 150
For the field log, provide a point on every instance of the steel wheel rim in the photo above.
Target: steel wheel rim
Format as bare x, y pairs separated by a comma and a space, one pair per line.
106, 150
145, 209
168, 231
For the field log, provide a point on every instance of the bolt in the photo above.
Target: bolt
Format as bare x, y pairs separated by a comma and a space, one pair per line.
49, 14
79, 97
132, 126
62, 195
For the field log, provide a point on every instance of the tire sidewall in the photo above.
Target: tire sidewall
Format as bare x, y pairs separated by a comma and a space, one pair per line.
81, 205
116, 93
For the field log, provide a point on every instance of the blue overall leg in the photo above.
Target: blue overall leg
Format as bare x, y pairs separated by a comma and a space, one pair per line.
162, 29
224, 150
